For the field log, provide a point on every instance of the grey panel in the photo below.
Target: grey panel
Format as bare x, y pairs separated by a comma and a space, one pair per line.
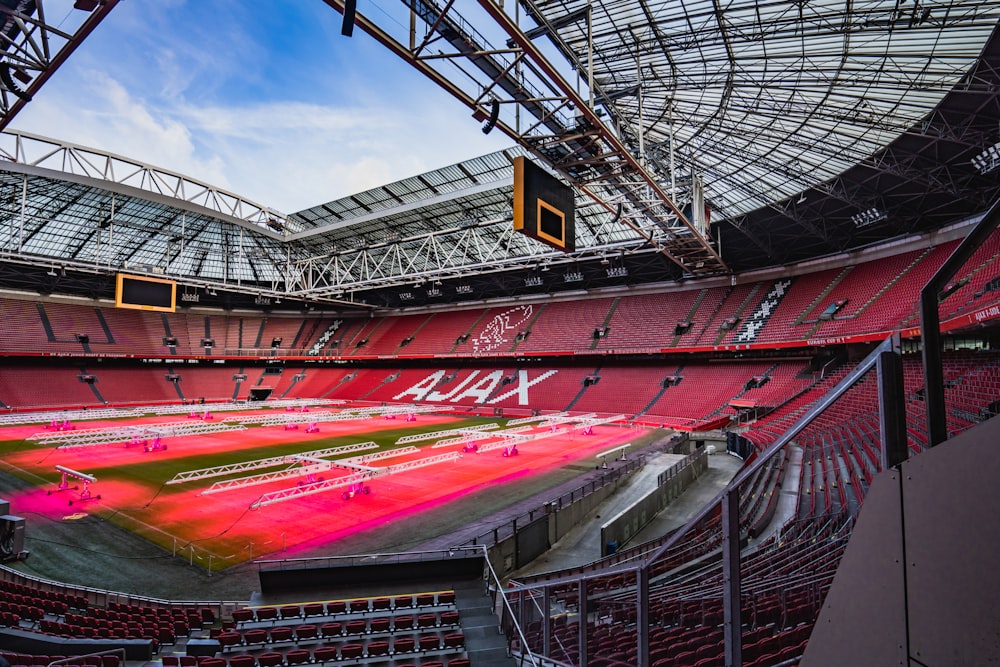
862, 621
951, 500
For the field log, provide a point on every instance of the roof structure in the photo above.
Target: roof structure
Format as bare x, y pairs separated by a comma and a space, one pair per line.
808, 128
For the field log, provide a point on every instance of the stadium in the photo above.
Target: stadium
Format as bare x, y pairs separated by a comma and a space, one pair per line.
700, 368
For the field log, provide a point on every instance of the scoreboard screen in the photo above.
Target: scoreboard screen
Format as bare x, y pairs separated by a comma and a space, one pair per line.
144, 293
543, 206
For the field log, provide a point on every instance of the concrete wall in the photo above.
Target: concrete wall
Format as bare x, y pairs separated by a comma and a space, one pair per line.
621, 528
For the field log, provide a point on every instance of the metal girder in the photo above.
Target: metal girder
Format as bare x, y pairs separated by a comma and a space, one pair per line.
472, 436
265, 478
544, 113
537, 418
553, 420
219, 471
340, 482
18, 418
33, 48
243, 405
417, 437
107, 436
307, 489
37, 155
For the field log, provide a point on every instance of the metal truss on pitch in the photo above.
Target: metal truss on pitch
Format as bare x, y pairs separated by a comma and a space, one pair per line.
327, 416
341, 482
236, 406
257, 464
523, 432
417, 437
302, 465
307, 466
22, 418
536, 418
109, 436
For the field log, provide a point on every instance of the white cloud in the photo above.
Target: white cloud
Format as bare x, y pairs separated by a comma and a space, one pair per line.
285, 155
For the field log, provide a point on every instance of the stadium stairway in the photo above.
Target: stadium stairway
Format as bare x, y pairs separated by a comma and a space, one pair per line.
484, 643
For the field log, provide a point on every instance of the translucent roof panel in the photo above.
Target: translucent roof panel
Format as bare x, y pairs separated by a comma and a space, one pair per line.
769, 99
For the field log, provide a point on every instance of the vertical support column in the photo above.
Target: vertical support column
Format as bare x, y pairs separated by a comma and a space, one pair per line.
892, 407
642, 616
930, 335
731, 577
581, 593
546, 623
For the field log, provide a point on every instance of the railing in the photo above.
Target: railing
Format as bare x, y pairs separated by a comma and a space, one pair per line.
619, 597
509, 528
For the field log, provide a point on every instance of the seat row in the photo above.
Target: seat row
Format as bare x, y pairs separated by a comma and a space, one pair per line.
338, 607
371, 647
308, 632
28, 660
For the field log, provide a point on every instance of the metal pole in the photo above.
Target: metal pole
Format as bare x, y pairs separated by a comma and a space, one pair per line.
582, 608
930, 323
731, 577
892, 407
642, 616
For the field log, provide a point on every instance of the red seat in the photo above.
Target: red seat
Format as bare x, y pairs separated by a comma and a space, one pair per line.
266, 613
290, 611
325, 654
425, 599
446, 597
454, 640
359, 604
336, 607
403, 645
404, 622
255, 636
381, 603
229, 639
427, 620
281, 633
449, 618
350, 651
306, 631
430, 642
298, 656
380, 624
313, 609
356, 627
459, 662
402, 601
269, 659
378, 648
242, 660
334, 629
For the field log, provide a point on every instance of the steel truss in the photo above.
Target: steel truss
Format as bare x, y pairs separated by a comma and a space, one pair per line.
518, 91
109, 436
34, 48
237, 406
22, 418
220, 471
536, 418
340, 482
417, 437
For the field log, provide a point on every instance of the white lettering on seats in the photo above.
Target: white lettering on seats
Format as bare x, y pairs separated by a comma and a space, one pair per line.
523, 383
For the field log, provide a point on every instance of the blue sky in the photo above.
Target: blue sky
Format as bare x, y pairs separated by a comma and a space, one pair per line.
261, 97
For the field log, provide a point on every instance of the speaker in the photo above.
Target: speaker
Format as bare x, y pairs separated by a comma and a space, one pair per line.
347, 27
